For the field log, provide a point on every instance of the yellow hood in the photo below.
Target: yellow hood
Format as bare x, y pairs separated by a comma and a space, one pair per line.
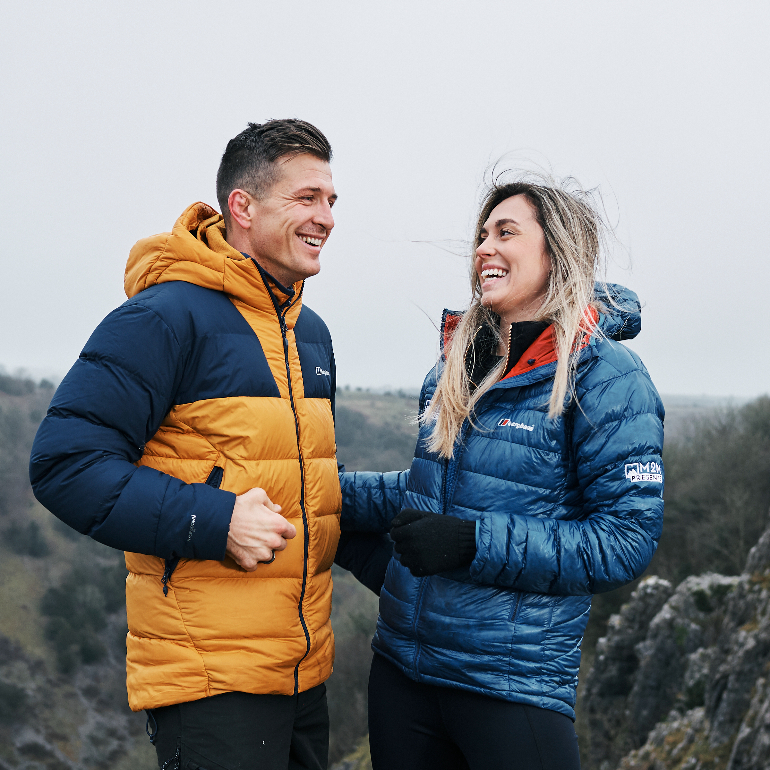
196, 251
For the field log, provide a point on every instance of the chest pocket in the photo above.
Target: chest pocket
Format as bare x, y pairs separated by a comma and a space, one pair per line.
317, 369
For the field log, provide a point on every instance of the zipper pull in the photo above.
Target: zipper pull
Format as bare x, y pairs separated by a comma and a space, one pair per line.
170, 567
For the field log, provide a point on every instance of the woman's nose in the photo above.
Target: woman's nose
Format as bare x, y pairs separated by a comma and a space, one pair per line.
484, 249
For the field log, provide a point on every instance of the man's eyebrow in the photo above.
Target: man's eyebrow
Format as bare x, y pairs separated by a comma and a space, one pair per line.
333, 196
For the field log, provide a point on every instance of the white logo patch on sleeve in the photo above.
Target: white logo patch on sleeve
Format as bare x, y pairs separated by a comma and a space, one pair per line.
650, 471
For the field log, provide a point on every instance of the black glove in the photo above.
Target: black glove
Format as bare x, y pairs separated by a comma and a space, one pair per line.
428, 543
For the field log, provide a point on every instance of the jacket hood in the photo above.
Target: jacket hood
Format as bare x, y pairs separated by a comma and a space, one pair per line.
620, 316
196, 251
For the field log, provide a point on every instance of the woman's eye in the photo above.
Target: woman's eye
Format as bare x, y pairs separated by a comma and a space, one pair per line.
506, 232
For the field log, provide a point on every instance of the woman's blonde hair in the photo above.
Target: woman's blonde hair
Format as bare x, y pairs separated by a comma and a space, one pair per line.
574, 236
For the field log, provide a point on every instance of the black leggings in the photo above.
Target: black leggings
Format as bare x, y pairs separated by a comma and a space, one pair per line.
415, 726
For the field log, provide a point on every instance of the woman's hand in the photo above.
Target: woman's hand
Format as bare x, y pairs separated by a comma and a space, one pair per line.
428, 543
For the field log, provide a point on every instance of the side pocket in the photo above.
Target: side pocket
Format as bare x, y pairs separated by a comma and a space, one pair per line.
215, 477
214, 480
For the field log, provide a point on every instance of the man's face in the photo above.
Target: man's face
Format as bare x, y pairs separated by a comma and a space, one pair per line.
291, 225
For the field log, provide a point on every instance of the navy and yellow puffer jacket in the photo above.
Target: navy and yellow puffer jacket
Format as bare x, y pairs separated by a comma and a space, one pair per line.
564, 508
207, 382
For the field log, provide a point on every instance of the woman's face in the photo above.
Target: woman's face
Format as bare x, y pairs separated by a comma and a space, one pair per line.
512, 262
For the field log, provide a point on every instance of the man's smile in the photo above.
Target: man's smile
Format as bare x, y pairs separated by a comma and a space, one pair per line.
312, 240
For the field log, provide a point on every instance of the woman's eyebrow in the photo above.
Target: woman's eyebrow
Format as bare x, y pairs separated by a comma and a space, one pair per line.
501, 222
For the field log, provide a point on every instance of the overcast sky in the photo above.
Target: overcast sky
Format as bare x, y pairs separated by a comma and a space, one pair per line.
114, 117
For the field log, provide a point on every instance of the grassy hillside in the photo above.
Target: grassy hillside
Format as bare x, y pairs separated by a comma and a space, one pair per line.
62, 610
62, 617
374, 432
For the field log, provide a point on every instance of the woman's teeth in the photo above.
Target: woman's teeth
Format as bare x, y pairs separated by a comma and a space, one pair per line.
493, 272
311, 241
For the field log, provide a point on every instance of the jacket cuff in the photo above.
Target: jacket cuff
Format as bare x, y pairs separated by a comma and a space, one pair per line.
467, 541
207, 536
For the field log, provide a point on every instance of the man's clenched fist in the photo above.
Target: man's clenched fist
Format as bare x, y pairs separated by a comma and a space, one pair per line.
257, 530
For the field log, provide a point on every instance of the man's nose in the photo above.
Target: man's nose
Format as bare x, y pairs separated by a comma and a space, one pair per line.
324, 216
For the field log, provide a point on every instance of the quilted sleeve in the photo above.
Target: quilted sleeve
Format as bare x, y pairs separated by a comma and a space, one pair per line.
366, 555
617, 441
108, 406
370, 501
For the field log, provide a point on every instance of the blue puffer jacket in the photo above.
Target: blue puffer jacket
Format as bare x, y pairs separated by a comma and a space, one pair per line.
564, 508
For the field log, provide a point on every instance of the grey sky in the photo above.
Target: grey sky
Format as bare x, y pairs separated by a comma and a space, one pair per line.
114, 117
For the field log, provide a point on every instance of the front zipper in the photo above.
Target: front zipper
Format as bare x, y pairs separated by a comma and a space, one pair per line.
301, 503
452, 469
214, 480
281, 311
417, 607
448, 479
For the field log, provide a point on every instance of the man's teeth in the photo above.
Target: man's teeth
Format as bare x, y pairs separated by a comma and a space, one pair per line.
311, 241
493, 272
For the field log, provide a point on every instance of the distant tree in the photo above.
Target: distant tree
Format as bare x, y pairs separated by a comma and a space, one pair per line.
15, 386
364, 445
717, 492
77, 610
27, 539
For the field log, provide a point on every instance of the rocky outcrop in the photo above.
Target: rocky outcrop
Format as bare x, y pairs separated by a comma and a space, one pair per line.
689, 687
606, 691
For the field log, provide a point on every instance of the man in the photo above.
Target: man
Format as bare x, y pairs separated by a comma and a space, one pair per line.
196, 433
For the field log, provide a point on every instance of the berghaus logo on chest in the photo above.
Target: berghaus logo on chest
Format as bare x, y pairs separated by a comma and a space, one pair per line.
508, 423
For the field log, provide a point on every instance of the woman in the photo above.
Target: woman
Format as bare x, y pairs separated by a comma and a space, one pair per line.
536, 482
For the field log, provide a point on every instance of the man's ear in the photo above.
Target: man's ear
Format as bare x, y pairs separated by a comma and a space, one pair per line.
239, 203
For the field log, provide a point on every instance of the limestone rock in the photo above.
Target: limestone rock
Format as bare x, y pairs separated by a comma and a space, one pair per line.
656, 656
613, 674
671, 652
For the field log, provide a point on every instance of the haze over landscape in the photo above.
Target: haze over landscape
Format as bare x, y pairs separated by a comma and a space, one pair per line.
116, 116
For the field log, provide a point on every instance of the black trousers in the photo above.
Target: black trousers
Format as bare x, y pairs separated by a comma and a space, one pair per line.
415, 726
240, 731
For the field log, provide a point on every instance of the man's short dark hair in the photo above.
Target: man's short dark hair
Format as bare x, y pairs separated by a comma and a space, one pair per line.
249, 161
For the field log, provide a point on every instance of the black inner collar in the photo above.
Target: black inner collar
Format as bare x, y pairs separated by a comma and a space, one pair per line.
523, 334
482, 356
